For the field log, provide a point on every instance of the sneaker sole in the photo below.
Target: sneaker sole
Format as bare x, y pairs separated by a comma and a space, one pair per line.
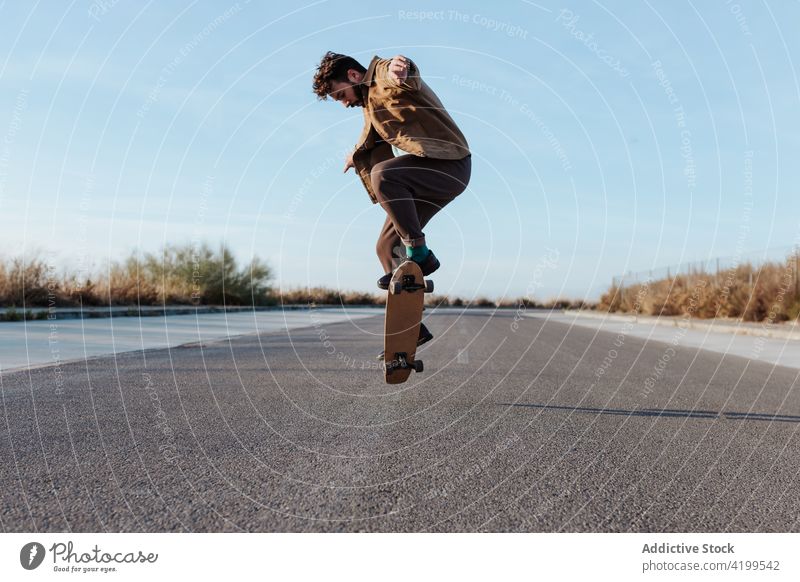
419, 343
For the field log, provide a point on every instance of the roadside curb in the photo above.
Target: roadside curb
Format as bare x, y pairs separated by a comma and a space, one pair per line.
62, 313
740, 328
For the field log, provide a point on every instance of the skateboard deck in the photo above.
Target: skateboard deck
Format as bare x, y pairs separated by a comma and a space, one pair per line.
404, 305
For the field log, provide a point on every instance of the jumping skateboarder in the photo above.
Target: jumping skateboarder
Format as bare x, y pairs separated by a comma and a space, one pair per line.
411, 156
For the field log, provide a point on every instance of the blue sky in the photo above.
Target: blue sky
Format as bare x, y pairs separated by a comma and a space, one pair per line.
606, 137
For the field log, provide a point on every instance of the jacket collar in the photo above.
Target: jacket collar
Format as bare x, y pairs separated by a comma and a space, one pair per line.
367, 80
371, 71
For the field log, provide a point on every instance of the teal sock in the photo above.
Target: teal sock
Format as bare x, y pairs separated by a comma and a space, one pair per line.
417, 253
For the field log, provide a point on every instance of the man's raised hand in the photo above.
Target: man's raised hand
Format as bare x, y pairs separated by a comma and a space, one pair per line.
348, 163
398, 69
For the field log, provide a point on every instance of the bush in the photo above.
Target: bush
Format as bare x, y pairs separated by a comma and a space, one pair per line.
176, 275
482, 302
768, 292
325, 296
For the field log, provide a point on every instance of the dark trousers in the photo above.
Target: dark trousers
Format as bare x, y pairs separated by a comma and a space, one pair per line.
411, 189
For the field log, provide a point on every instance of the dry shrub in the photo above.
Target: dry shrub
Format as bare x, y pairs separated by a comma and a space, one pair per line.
768, 292
436, 300
326, 296
32, 282
481, 302
176, 275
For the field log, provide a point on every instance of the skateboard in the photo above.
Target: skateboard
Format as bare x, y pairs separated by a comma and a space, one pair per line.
404, 305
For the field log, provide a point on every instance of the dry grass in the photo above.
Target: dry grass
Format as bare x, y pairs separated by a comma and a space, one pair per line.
553, 303
325, 296
191, 275
177, 275
750, 293
505, 303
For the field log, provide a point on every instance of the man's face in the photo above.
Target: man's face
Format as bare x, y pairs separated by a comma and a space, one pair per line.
346, 93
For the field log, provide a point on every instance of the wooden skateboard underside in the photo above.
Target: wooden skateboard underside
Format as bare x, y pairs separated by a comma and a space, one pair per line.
404, 304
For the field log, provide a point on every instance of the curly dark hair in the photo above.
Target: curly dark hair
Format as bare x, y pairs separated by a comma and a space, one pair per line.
333, 67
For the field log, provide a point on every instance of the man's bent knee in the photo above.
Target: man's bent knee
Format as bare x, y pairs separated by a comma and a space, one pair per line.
385, 183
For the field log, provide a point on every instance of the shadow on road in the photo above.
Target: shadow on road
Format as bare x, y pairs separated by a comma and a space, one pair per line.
667, 412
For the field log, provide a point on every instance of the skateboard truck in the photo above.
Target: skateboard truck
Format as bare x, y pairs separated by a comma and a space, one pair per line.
400, 362
408, 284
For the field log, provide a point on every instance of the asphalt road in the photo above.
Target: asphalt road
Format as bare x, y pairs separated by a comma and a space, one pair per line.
527, 425
26, 344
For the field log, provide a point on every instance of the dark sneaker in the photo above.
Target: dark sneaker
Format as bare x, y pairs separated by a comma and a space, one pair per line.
429, 264
424, 337
383, 282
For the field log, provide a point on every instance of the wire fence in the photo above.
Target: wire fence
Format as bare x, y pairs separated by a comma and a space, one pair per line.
717, 266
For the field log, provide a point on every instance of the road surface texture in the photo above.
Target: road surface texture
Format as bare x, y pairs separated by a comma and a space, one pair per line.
516, 424
783, 351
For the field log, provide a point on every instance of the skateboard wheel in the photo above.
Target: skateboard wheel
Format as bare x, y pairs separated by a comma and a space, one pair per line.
428, 286
418, 366
396, 288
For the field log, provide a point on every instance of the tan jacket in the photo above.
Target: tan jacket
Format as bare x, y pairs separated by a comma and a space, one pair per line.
407, 115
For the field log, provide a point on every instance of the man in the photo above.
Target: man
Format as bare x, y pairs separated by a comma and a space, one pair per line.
402, 115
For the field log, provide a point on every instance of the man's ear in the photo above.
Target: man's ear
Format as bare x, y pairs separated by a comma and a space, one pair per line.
353, 76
